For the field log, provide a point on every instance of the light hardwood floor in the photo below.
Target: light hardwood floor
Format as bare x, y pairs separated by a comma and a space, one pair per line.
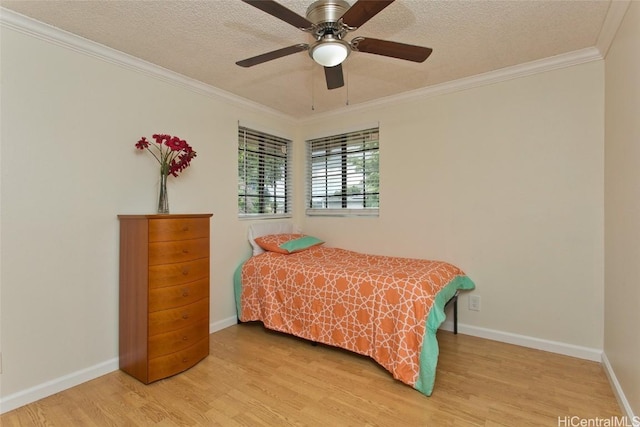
255, 377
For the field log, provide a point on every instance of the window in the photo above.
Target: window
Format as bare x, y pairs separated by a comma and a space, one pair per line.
342, 174
264, 173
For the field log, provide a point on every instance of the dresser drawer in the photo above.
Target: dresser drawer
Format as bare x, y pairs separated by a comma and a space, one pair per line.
179, 273
171, 364
178, 251
162, 230
164, 293
177, 318
177, 340
177, 296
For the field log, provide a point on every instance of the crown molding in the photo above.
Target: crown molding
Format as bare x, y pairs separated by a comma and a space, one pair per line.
521, 70
613, 19
65, 39
615, 15
79, 44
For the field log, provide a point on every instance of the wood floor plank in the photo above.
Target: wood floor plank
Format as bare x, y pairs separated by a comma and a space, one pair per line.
255, 377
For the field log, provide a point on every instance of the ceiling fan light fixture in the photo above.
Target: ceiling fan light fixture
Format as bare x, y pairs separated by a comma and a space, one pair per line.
330, 51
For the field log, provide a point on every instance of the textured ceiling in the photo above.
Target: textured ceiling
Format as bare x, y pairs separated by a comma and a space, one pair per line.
203, 40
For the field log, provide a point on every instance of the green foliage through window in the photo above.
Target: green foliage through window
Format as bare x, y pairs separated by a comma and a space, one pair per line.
343, 174
264, 188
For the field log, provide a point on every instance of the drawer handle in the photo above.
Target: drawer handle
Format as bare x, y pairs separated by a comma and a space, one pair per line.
185, 251
185, 271
185, 315
185, 359
185, 228
185, 338
185, 292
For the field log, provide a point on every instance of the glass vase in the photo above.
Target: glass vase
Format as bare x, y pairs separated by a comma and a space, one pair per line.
163, 198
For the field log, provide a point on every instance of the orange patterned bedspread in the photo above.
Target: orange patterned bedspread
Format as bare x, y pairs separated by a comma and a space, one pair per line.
372, 305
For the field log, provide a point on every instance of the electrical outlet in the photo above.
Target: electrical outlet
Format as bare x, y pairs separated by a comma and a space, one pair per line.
474, 302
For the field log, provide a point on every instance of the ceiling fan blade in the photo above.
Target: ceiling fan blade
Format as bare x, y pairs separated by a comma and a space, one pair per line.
250, 62
392, 49
276, 9
363, 10
334, 76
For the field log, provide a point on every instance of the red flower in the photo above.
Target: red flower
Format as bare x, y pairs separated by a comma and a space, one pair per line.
159, 137
176, 144
142, 144
173, 160
184, 160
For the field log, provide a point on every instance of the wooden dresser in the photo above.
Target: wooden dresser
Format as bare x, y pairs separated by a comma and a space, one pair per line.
164, 294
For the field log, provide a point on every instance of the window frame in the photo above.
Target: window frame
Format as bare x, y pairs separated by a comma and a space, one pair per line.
340, 149
263, 143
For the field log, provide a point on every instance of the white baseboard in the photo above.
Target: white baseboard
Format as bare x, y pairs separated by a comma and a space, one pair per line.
587, 353
41, 391
56, 385
617, 390
221, 324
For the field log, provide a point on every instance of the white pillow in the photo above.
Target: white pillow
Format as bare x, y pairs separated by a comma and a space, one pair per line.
264, 228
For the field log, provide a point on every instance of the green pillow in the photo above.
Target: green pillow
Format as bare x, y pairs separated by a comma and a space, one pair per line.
300, 244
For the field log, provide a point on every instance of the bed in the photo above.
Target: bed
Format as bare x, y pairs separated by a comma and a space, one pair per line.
387, 308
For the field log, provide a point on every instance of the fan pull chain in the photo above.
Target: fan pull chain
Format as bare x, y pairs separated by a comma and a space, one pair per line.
313, 97
347, 85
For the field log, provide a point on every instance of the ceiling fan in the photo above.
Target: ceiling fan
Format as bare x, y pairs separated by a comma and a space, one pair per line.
329, 21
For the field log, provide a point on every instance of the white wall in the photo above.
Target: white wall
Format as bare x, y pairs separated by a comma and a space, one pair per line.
622, 207
505, 181
69, 167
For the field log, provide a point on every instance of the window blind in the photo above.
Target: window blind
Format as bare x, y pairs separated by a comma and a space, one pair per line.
343, 174
264, 174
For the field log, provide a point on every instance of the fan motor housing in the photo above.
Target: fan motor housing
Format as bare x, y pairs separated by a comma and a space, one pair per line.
323, 11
